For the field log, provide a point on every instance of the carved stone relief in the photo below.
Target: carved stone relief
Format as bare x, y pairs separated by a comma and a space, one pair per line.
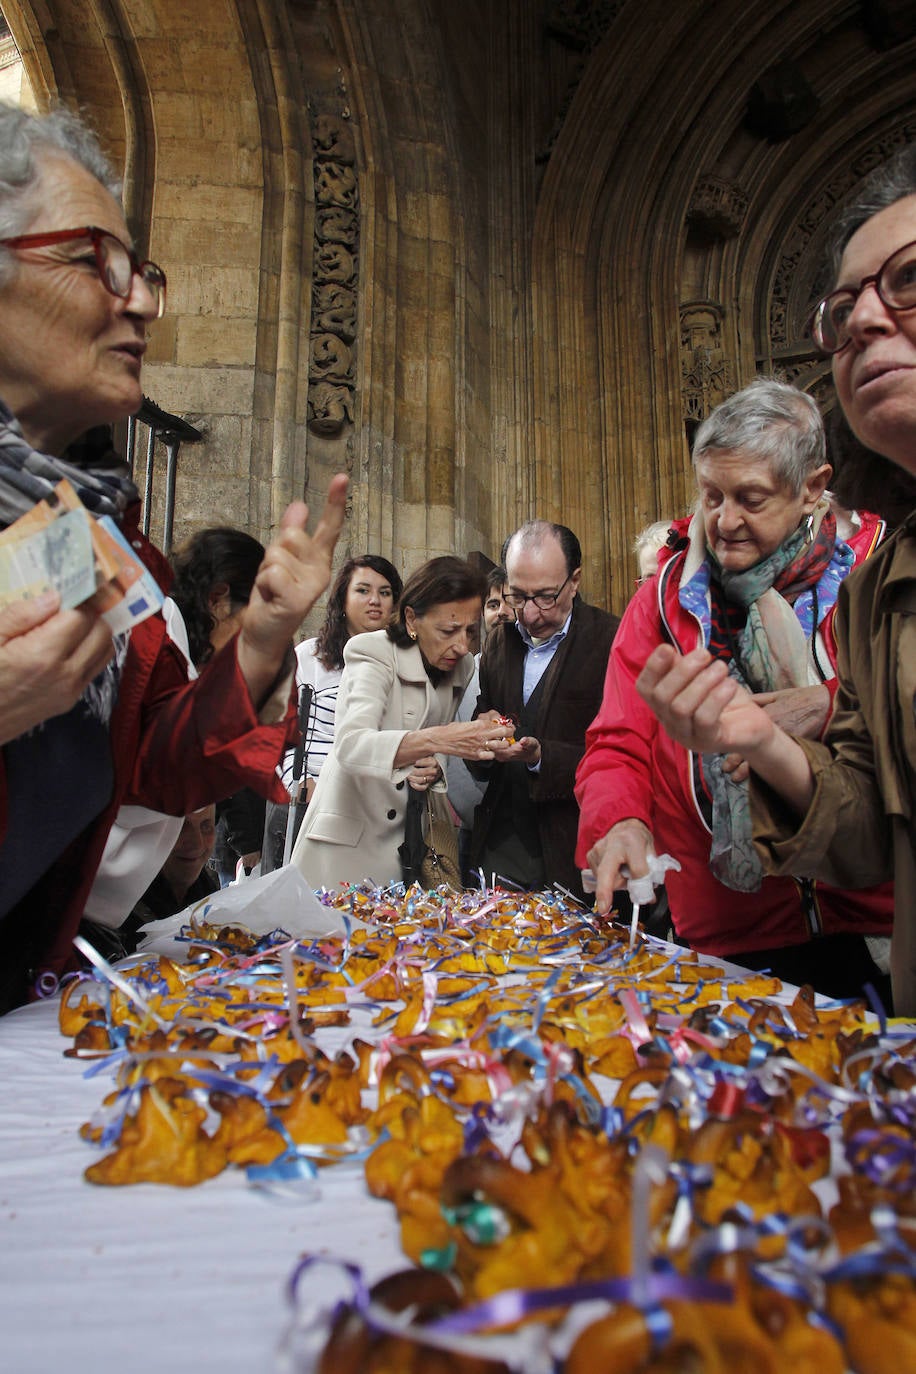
581, 22
334, 263
334, 224
336, 185
785, 325
579, 25
334, 310
333, 138
781, 102
706, 372
718, 208
330, 408
332, 359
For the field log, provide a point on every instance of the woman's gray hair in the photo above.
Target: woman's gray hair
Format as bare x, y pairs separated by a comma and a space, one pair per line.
654, 536
767, 420
24, 140
894, 180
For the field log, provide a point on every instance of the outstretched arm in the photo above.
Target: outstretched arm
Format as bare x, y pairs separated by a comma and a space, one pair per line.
295, 571
704, 709
480, 738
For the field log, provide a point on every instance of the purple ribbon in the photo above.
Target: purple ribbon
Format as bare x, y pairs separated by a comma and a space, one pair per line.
513, 1304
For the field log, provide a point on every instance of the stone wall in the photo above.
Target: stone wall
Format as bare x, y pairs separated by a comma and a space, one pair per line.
495, 259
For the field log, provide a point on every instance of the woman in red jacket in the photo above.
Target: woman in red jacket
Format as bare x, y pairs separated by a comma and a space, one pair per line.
754, 578
87, 720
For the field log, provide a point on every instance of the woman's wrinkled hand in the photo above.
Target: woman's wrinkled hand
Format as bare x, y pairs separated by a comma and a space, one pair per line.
424, 773
800, 711
700, 706
626, 846
478, 738
48, 657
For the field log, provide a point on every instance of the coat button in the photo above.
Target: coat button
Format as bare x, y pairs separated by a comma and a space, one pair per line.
392, 815
399, 786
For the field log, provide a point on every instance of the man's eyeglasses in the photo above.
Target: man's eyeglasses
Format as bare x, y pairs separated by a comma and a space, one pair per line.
543, 600
895, 283
117, 264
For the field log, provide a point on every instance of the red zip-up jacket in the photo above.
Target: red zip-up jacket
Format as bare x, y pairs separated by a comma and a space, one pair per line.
632, 767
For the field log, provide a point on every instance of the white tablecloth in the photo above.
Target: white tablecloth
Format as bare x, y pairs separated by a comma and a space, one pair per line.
145, 1278
150, 1278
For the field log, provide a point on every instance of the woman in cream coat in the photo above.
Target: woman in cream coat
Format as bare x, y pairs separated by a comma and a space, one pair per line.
395, 714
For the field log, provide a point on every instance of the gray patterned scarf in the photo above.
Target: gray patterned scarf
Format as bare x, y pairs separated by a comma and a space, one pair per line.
773, 654
27, 476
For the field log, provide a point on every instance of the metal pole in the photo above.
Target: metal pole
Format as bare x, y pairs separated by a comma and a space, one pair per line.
172, 445
131, 442
148, 484
173, 432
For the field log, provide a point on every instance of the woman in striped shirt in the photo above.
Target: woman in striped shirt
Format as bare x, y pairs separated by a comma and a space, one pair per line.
364, 597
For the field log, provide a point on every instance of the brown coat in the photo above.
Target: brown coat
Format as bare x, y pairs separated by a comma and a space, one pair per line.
859, 828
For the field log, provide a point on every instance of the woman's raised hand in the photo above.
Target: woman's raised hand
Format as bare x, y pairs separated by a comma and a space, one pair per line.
700, 706
295, 571
707, 711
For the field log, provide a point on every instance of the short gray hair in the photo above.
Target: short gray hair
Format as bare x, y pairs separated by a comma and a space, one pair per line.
767, 420
24, 140
894, 180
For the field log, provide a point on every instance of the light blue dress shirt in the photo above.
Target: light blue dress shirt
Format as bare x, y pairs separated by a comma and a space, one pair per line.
538, 657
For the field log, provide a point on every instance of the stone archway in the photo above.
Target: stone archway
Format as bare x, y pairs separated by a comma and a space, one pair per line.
664, 217
199, 113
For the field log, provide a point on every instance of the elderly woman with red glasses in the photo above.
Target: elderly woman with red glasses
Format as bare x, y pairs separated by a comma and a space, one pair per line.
844, 809
88, 720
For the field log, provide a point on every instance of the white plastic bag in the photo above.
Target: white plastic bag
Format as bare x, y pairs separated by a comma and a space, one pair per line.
279, 900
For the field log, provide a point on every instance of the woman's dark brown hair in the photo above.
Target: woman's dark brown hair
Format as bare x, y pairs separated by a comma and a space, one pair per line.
434, 584
333, 635
219, 557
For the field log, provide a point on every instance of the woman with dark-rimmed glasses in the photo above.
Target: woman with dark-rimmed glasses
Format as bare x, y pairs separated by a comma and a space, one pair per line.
844, 809
88, 721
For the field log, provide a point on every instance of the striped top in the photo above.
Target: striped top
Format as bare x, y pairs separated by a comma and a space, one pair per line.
324, 683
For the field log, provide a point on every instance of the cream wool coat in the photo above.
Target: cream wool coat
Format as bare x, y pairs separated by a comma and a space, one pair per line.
355, 820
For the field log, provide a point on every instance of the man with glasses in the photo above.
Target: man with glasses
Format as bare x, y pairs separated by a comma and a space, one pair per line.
546, 671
